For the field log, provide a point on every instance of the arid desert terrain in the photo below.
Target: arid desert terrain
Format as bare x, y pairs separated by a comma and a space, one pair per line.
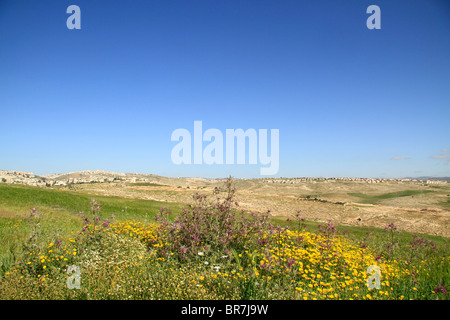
414, 206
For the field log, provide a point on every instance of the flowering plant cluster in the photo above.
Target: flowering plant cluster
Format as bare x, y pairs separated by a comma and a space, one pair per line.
213, 226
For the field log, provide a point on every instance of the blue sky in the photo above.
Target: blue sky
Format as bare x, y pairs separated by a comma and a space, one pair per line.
348, 101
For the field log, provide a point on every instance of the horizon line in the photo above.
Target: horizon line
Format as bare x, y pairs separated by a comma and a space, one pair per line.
224, 177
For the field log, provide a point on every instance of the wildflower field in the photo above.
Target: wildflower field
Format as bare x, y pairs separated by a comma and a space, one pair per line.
211, 250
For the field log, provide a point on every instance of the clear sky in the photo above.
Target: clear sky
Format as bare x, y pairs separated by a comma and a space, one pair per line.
348, 101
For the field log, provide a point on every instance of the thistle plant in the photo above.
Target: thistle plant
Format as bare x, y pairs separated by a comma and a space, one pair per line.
93, 221
212, 225
391, 228
300, 220
421, 248
34, 221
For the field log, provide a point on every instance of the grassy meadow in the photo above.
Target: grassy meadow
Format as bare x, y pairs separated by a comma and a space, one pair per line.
58, 244
374, 199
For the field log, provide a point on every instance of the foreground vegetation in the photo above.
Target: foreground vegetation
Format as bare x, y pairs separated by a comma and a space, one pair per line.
72, 247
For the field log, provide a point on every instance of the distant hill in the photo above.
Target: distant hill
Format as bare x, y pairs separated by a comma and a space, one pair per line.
99, 176
88, 176
424, 178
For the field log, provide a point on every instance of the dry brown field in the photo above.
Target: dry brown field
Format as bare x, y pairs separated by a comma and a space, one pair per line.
412, 207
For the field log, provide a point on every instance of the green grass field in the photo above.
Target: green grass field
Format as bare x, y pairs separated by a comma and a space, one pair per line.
146, 184
20, 199
374, 199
